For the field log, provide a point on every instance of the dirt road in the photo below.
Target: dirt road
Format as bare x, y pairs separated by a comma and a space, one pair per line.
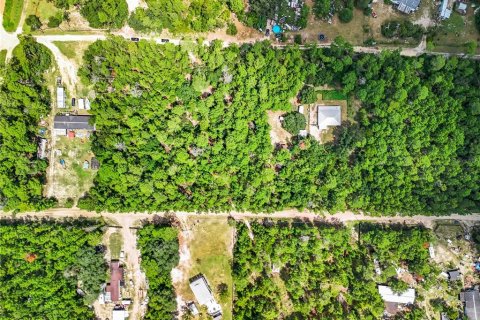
133, 219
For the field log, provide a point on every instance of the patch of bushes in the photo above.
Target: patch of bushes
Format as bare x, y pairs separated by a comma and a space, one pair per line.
293, 122
402, 30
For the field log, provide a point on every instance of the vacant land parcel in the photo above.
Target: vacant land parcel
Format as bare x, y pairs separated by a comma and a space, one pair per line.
12, 14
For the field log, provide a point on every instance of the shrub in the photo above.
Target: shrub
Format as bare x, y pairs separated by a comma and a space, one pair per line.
307, 95
293, 122
69, 203
33, 22
231, 29
298, 39
54, 21
346, 15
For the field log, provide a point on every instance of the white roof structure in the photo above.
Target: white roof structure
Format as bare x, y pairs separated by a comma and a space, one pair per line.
119, 314
60, 97
60, 132
329, 116
204, 295
87, 104
81, 104
462, 6
389, 296
443, 10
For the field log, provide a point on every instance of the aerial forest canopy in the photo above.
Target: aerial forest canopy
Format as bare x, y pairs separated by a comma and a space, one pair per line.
306, 271
24, 100
43, 263
186, 129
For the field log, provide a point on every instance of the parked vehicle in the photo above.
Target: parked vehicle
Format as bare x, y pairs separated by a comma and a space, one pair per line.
135, 39
165, 40
267, 33
73, 102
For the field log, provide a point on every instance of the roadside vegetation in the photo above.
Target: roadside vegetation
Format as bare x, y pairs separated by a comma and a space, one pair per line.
158, 245
12, 14
50, 269
298, 270
24, 101
182, 16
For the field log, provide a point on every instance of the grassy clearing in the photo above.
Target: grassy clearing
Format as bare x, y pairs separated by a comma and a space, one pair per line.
12, 14
458, 30
333, 95
3, 58
67, 48
211, 254
43, 9
115, 243
72, 181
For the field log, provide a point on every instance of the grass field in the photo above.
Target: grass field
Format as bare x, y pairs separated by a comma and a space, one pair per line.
43, 9
458, 30
115, 243
3, 57
210, 247
12, 14
72, 181
68, 48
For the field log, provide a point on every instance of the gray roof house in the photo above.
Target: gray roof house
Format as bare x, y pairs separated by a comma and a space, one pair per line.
329, 116
407, 6
204, 296
471, 298
454, 275
73, 123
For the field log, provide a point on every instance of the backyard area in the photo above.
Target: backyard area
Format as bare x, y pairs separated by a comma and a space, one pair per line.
210, 243
71, 176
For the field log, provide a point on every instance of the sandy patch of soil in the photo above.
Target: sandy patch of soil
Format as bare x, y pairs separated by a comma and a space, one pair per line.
278, 135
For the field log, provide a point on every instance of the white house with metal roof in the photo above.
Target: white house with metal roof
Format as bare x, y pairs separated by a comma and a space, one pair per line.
204, 296
328, 116
389, 296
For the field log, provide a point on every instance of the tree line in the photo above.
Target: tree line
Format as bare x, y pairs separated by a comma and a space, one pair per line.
158, 245
24, 101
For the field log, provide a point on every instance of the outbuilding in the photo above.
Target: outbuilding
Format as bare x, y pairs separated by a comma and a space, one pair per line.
60, 98
387, 294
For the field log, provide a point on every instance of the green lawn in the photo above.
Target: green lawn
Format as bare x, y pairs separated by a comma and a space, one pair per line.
3, 57
12, 14
68, 48
115, 242
43, 9
333, 95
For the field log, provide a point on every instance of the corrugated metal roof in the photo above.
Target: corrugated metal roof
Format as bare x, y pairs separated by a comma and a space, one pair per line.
329, 116
73, 122
389, 296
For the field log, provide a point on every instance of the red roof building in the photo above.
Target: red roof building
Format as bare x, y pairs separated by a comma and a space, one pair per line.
116, 277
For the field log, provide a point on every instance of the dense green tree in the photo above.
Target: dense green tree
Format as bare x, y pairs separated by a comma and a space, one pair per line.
308, 95
346, 15
33, 22
110, 14
293, 122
